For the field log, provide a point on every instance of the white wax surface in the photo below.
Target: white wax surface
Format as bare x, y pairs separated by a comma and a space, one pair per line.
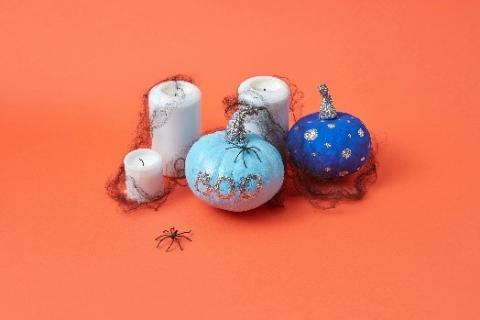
276, 94
266, 83
179, 104
144, 175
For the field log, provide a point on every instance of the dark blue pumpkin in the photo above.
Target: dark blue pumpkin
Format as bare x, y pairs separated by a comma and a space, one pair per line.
328, 144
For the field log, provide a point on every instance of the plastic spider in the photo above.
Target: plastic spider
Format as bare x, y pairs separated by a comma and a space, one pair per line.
174, 235
244, 148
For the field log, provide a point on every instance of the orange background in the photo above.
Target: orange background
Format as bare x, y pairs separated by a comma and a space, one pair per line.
72, 76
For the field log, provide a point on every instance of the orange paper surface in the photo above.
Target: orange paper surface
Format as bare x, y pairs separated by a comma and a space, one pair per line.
72, 75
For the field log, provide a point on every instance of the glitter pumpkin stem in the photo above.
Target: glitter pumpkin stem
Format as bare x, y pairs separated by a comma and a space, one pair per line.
327, 109
236, 132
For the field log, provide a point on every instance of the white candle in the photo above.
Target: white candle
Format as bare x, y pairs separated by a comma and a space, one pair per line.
144, 175
274, 93
174, 108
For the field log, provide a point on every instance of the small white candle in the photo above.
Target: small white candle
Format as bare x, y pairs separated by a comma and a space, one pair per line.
174, 108
144, 175
275, 94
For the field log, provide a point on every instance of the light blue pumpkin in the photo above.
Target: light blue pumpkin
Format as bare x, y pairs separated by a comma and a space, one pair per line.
232, 169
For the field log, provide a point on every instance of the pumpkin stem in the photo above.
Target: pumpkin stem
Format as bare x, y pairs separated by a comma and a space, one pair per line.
327, 110
236, 132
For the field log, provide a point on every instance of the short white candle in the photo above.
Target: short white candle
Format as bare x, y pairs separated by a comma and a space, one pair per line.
174, 108
144, 175
275, 94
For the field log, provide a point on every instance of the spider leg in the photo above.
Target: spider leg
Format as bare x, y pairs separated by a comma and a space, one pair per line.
234, 146
170, 245
160, 241
181, 236
179, 244
160, 236
185, 232
238, 154
256, 153
243, 158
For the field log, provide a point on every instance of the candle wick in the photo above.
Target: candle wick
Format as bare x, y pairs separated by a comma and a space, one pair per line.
143, 163
177, 87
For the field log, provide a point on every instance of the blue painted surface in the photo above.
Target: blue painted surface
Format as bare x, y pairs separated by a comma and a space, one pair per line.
329, 148
211, 155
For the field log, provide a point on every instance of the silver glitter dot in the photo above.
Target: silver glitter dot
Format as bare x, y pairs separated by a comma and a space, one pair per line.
362, 159
311, 134
244, 193
343, 173
348, 121
346, 153
314, 154
327, 145
327, 169
361, 133
331, 125
350, 136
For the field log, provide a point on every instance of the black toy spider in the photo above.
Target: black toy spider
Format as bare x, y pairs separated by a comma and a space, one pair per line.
174, 235
244, 148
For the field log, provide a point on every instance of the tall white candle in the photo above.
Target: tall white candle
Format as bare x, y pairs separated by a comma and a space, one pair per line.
273, 93
174, 108
144, 175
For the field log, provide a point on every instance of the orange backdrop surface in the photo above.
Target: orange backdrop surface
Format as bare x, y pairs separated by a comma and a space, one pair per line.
72, 75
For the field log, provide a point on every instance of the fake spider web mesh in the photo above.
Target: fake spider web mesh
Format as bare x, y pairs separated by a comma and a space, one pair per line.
326, 194
116, 184
270, 129
322, 194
